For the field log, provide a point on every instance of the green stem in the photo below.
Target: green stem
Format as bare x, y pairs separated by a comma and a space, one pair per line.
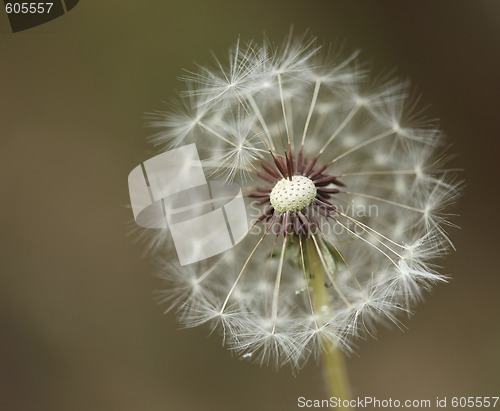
335, 374
332, 360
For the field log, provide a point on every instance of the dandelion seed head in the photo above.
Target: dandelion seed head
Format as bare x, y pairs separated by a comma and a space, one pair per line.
336, 168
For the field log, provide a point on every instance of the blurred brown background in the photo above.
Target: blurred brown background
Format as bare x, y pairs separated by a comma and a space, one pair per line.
79, 329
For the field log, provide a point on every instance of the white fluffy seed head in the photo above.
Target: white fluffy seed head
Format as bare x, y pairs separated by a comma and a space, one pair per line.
293, 195
377, 249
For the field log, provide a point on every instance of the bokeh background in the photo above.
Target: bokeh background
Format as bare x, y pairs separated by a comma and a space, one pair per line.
79, 329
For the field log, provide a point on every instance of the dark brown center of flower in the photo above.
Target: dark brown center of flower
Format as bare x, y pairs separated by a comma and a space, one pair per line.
298, 193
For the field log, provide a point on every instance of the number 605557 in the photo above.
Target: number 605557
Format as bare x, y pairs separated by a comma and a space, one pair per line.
28, 8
